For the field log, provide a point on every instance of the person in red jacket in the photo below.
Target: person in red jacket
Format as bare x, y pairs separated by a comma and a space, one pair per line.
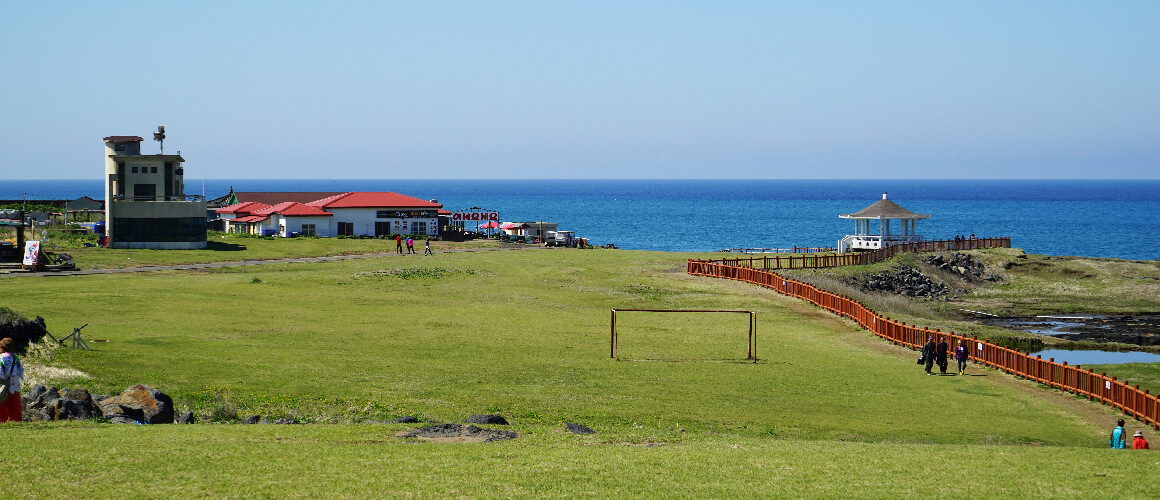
1139, 443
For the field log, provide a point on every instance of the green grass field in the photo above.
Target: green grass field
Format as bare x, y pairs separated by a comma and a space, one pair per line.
226, 247
827, 410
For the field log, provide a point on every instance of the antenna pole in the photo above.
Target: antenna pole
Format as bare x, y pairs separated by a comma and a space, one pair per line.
159, 136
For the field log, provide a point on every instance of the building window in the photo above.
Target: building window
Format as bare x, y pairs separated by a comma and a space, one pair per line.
308, 230
383, 214
153, 170
382, 228
144, 190
167, 229
346, 229
134, 170
119, 147
418, 227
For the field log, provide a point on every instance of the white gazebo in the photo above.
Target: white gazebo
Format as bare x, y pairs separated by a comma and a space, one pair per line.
883, 211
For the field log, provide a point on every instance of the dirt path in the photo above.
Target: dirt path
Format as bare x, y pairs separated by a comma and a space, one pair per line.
256, 262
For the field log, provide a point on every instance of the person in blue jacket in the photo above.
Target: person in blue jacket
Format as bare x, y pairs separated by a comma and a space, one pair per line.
1117, 440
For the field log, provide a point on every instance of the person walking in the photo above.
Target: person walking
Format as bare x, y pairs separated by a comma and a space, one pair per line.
11, 374
1117, 440
398, 243
427, 247
961, 357
928, 354
410, 245
940, 354
1138, 442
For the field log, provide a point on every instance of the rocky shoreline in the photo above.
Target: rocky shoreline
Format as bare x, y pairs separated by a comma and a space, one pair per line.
908, 281
1142, 330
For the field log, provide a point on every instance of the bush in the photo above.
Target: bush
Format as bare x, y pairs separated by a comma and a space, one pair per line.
222, 409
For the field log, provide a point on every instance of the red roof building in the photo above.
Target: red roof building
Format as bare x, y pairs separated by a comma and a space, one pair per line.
293, 209
241, 209
376, 214
374, 200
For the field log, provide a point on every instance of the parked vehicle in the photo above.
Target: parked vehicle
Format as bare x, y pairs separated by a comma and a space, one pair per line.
561, 239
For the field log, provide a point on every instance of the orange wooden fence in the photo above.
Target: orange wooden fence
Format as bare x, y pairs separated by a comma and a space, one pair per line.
1094, 386
856, 259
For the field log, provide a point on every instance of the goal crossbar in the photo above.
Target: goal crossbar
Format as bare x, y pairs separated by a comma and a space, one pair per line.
614, 338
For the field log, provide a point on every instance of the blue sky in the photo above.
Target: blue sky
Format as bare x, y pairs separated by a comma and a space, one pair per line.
545, 89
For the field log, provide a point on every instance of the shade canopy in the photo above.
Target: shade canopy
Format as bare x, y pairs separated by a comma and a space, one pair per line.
884, 209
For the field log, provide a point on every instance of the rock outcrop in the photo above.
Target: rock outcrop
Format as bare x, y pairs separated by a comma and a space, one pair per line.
902, 280
140, 403
963, 265
22, 332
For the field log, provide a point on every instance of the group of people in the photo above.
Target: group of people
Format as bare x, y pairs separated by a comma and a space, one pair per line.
1118, 442
11, 374
411, 245
936, 353
933, 353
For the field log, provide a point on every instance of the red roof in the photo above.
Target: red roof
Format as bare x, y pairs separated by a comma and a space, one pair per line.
123, 138
276, 197
445, 212
246, 207
373, 200
252, 218
292, 209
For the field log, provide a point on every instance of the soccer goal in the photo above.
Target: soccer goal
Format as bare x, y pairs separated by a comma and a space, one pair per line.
614, 339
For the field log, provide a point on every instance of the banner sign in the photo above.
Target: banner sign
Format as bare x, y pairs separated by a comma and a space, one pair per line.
31, 252
475, 216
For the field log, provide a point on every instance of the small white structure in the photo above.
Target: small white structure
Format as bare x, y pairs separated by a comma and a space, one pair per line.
883, 211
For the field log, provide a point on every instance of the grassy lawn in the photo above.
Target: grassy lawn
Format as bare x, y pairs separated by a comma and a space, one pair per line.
827, 411
225, 247
343, 461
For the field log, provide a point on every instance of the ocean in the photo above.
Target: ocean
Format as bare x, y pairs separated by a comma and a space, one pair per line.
1096, 218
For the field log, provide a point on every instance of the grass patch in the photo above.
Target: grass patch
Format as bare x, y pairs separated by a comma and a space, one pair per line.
229, 247
267, 461
525, 334
1145, 375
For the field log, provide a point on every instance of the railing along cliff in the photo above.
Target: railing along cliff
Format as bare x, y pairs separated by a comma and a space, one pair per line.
1094, 386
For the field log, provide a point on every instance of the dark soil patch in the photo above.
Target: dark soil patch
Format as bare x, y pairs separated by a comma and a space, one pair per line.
579, 429
487, 420
457, 433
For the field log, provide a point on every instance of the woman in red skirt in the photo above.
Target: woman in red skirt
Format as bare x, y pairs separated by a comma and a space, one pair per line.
11, 373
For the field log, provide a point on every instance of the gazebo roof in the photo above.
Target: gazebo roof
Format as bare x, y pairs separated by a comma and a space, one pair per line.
884, 209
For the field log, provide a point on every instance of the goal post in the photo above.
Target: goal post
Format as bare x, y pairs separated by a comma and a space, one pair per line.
614, 338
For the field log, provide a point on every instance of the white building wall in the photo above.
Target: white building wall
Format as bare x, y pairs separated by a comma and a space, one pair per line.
321, 225
364, 221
